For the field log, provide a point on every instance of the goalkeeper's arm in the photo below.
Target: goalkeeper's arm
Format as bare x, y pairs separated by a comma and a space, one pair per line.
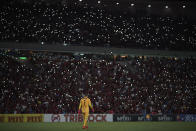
91, 107
79, 107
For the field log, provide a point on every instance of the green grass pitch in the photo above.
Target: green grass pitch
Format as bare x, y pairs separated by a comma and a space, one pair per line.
101, 126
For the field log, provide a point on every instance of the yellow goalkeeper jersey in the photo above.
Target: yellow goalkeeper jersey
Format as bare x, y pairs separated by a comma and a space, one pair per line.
84, 104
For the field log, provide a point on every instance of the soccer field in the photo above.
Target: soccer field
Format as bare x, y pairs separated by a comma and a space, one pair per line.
114, 126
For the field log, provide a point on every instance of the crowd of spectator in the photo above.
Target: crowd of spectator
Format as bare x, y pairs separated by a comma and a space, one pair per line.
49, 82
93, 26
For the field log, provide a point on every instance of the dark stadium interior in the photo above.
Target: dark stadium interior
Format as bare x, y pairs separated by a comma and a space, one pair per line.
50, 81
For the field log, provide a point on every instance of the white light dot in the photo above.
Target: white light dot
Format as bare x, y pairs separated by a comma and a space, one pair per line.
183, 6
132, 4
166, 7
98, 2
149, 6
80, 0
117, 3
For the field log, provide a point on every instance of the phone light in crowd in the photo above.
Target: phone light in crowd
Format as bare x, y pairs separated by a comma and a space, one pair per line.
132, 4
98, 2
80, 0
166, 6
117, 3
65, 44
183, 6
149, 6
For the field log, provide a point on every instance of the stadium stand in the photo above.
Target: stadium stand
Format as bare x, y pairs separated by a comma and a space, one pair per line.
49, 82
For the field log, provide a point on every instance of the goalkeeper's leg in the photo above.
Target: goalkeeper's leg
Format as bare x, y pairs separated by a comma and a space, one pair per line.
85, 119
83, 114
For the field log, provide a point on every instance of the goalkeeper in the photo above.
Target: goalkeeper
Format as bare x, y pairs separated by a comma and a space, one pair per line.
85, 102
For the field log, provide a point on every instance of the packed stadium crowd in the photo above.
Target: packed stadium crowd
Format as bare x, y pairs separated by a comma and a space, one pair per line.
49, 82
83, 24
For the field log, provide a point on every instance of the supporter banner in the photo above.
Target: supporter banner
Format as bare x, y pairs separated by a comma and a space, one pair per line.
130, 117
21, 117
77, 118
186, 117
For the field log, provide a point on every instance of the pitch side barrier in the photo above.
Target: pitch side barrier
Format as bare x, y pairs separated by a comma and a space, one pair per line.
54, 118
77, 118
164, 117
94, 117
21, 118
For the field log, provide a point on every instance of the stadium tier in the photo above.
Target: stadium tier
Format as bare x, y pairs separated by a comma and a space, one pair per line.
80, 23
49, 82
